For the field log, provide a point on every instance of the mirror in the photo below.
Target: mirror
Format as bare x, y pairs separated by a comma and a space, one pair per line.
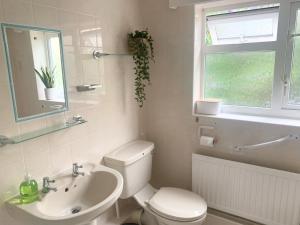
36, 70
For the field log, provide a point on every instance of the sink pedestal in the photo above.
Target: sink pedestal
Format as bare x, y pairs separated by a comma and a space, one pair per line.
94, 222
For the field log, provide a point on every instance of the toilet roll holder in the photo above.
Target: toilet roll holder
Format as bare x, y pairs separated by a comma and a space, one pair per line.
202, 128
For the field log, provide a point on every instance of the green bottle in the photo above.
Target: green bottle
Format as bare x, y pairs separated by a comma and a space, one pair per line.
29, 190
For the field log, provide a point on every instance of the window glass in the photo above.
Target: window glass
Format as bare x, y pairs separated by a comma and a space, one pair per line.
242, 79
242, 26
294, 95
298, 22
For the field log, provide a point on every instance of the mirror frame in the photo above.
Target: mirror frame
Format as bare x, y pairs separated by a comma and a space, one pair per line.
10, 75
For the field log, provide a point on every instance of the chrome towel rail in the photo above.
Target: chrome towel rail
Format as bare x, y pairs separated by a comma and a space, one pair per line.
98, 54
268, 143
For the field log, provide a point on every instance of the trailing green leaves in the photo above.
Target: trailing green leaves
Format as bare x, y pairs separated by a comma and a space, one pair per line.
47, 76
141, 46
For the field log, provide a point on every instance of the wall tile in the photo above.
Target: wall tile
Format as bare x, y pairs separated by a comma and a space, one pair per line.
45, 16
69, 22
60, 157
77, 132
18, 11
73, 66
92, 72
3, 68
56, 119
59, 138
32, 125
12, 162
103, 108
36, 153
99, 33
88, 31
12, 155
82, 6
6, 110
79, 149
53, 3
1, 11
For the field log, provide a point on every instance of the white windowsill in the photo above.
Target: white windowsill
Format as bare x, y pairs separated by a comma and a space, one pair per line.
53, 100
256, 119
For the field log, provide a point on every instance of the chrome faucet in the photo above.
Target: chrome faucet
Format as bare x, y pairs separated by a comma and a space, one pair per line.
76, 168
46, 185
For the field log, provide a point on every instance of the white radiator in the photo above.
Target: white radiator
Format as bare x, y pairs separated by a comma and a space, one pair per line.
261, 194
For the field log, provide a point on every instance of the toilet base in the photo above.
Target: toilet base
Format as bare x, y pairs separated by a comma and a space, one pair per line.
164, 221
148, 217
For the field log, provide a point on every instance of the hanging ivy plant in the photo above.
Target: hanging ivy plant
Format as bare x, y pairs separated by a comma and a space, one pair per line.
141, 47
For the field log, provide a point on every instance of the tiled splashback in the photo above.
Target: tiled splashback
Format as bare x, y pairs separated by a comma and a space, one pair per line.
112, 114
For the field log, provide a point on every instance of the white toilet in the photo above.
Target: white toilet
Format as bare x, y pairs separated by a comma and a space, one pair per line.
166, 206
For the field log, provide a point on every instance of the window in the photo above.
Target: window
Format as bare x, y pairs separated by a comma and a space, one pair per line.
227, 74
242, 26
250, 58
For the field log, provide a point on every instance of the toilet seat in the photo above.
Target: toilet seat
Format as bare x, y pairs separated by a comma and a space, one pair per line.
178, 204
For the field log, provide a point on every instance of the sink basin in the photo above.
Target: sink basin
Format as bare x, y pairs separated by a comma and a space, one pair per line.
78, 200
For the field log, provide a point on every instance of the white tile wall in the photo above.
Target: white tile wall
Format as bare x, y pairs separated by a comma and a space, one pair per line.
112, 114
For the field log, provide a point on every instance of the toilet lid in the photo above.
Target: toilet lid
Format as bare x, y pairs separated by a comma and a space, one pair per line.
178, 204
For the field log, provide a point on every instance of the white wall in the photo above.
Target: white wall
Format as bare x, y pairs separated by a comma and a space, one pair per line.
112, 114
168, 115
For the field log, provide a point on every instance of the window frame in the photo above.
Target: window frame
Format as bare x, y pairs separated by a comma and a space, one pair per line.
213, 19
295, 6
281, 47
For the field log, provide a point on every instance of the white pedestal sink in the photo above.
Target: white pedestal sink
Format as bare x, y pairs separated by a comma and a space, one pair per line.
78, 200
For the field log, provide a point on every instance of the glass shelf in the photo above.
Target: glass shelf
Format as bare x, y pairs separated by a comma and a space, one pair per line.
35, 134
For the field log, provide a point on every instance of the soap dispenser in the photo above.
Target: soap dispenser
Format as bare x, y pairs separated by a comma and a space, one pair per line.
29, 190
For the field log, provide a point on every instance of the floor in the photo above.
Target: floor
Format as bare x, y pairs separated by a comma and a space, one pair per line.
217, 220
127, 209
210, 220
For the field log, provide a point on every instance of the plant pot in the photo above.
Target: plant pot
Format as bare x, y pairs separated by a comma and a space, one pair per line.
132, 42
208, 106
49, 93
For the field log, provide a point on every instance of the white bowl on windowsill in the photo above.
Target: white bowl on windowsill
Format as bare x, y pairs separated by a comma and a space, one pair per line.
208, 106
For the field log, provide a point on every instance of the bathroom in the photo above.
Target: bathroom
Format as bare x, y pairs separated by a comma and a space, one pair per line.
110, 116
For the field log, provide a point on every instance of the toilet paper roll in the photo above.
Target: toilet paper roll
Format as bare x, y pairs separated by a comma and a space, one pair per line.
207, 141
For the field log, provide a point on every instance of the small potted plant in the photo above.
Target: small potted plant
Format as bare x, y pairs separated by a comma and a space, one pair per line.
140, 45
47, 77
